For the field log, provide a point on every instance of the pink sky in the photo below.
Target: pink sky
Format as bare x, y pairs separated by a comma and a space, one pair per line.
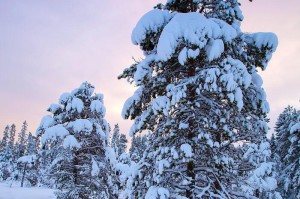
51, 47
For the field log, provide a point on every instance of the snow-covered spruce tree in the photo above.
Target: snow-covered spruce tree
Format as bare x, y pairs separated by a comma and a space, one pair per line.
115, 140
122, 144
21, 142
199, 93
78, 130
118, 141
120, 160
4, 172
8, 155
273, 146
4, 140
31, 146
11, 143
137, 148
288, 152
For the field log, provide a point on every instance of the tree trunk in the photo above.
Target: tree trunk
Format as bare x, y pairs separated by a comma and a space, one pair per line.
191, 134
192, 175
24, 171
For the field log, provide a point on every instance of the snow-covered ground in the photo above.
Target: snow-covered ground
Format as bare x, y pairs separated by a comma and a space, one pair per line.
17, 192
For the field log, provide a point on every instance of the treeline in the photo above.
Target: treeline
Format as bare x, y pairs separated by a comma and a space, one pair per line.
76, 151
12, 154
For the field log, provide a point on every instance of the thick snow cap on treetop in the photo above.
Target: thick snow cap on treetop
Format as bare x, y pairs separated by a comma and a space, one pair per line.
151, 22
194, 30
84, 89
58, 126
73, 101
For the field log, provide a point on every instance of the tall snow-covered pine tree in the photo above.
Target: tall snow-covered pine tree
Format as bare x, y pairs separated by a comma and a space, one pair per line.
21, 142
200, 94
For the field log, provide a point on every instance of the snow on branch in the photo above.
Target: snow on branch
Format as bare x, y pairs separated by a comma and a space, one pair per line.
194, 29
150, 22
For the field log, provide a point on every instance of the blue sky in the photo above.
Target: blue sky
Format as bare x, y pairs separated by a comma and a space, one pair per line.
50, 47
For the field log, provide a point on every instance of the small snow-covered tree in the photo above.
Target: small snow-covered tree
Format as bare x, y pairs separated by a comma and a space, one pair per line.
21, 142
4, 170
262, 178
7, 156
122, 144
199, 94
118, 159
288, 152
273, 147
118, 141
78, 133
288, 116
138, 146
115, 140
11, 143
4, 140
31, 146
